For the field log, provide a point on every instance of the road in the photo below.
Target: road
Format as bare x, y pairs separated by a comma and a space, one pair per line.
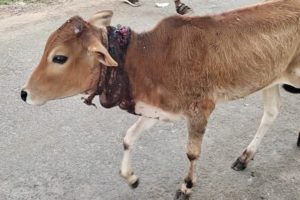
66, 150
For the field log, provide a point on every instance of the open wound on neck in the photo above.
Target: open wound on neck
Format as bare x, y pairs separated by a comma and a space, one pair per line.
114, 87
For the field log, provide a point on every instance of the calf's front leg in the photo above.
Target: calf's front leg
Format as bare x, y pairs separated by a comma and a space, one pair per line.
142, 124
197, 122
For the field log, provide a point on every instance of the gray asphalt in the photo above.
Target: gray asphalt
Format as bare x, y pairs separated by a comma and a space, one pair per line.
68, 151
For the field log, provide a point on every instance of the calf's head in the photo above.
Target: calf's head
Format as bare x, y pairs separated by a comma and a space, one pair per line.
72, 60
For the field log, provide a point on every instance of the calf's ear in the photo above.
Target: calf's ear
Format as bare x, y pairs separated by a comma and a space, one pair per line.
102, 54
92, 41
102, 18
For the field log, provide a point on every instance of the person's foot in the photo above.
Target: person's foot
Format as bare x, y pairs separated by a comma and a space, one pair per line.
183, 9
134, 3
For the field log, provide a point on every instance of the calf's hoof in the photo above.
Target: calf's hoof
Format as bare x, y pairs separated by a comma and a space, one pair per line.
133, 181
135, 184
298, 143
181, 195
238, 165
131, 178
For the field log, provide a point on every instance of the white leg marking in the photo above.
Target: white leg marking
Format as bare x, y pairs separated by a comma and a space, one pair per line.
131, 136
271, 98
185, 190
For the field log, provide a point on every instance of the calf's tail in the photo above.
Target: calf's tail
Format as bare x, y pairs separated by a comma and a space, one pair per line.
291, 89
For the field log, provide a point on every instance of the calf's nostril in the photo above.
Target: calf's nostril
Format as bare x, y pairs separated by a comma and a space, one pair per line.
23, 95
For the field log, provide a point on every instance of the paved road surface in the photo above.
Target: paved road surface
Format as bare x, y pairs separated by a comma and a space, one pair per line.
66, 150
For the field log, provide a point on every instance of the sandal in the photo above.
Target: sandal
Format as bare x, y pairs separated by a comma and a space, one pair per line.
183, 9
133, 3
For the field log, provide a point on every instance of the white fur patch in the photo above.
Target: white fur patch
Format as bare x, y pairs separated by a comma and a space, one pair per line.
150, 111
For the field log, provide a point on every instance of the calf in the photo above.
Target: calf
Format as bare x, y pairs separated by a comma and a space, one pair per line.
179, 70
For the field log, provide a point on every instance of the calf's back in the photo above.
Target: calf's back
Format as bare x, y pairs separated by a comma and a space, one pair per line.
220, 57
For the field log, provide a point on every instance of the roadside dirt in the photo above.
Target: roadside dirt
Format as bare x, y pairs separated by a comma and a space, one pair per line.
20, 8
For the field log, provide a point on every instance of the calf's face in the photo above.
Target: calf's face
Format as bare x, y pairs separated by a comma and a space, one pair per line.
70, 64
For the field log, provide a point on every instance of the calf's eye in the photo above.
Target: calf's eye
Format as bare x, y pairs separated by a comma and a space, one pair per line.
60, 59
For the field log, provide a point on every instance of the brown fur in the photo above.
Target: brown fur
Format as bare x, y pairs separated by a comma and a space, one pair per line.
219, 57
185, 59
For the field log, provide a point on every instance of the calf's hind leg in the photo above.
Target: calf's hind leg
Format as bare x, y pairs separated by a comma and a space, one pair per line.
271, 99
131, 136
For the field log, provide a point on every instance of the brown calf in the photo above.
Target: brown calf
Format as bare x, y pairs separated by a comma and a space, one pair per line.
179, 70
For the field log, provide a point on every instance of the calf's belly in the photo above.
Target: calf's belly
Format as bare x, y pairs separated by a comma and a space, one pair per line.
146, 110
